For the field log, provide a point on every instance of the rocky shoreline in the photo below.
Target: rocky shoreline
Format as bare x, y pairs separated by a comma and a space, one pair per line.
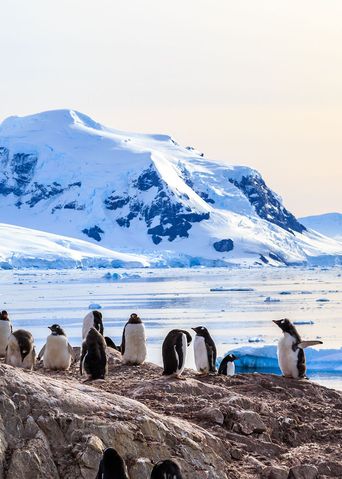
241, 427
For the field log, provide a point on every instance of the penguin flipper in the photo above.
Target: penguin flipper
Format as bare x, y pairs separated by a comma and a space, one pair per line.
179, 351
122, 347
306, 344
84, 352
110, 343
41, 354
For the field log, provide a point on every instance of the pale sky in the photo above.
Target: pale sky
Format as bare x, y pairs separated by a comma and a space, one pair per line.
253, 82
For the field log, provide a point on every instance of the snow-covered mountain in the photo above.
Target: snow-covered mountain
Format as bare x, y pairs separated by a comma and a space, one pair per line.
27, 248
329, 224
62, 172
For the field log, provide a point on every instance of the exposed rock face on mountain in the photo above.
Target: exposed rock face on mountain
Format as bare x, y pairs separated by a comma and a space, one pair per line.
63, 173
242, 427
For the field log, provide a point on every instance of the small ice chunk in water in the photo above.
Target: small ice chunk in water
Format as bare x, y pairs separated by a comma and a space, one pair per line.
322, 300
94, 306
271, 300
303, 321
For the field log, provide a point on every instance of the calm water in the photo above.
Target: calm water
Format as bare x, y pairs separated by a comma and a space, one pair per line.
181, 298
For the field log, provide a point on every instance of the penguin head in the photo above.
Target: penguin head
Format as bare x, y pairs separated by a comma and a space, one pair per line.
284, 324
56, 330
134, 319
4, 316
201, 331
166, 469
231, 358
114, 463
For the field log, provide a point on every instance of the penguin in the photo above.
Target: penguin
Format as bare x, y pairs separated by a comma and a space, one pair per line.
133, 346
93, 357
57, 353
5, 332
166, 470
94, 320
227, 365
20, 351
174, 352
205, 351
291, 356
112, 466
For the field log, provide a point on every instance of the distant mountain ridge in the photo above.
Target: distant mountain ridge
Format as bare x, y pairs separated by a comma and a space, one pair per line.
328, 224
64, 173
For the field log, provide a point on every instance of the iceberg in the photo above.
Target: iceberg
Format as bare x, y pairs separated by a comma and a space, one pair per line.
264, 359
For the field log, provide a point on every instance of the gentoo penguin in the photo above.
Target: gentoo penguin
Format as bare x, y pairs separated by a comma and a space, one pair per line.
166, 470
205, 351
227, 365
133, 346
20, 350
57, 352
5, 332
112, 466
93, 358
94, 320
291, 356
174, 352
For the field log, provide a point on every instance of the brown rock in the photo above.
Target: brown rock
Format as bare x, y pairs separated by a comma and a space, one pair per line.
303, 472
273, 472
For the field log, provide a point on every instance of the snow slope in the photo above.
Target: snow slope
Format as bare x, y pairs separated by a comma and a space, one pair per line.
62, 172
27, 248
329, 224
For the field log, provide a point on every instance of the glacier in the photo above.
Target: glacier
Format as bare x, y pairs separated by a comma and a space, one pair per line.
64, 173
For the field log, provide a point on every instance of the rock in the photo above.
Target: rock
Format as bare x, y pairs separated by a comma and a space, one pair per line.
249, 422
303, 472
273, 472
211, 414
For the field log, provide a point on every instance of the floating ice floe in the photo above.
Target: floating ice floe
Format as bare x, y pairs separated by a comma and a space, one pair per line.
256, 339
285, 292
322, 300
94, 306
271, 300
121, 276
221, 288
303, 322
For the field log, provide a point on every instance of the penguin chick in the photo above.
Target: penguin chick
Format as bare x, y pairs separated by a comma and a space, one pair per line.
227, 365
205, 351
93, 358
57, 353
174, 352
291, 356
133, 346
166, 470
92, 320
20, 350
112, 466
5, 332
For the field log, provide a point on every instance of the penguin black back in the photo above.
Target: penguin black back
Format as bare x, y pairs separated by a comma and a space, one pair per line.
93, 357
166, 470
173, 341
25, 342
98, 323
210, 346
112, 466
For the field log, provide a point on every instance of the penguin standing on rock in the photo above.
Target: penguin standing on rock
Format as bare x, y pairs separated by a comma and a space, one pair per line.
227, 365
94, 320
112, 466
5, 332
166, 470
20, 350
93, 357
133, 346
205, 351
291, 356
57, 353
174, 352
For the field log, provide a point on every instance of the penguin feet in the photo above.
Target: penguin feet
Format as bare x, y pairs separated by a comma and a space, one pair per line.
181, 378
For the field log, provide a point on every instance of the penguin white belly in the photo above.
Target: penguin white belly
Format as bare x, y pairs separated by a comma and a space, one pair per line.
135, 344
287, 357
184, 347
5, 333
230, 368
201, 354
88, 323
56, 354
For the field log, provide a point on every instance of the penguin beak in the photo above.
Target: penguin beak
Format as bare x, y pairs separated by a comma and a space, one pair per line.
234, 357
276, 321
50, 327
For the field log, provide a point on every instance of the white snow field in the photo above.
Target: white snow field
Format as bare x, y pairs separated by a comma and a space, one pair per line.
328, 224
62, 172
230, 302
27, 248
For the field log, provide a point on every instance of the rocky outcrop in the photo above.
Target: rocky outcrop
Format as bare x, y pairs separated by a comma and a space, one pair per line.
242, 427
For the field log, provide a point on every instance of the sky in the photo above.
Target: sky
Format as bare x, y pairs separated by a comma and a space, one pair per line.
249, 82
